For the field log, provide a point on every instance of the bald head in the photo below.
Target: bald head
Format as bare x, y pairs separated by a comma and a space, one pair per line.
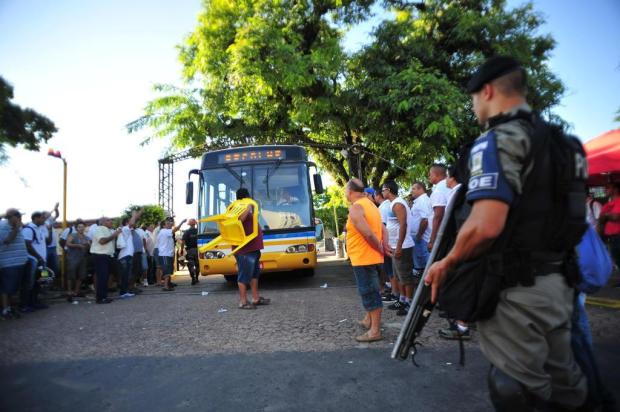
355, 185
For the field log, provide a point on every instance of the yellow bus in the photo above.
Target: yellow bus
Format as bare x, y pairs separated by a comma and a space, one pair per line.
278, 179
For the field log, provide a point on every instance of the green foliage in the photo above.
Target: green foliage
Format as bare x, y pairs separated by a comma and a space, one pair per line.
264, 71
21, 126
324, 205
151, 215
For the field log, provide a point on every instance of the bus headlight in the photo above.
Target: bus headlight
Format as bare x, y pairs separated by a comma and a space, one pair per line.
220, 255
209, 255
300, 248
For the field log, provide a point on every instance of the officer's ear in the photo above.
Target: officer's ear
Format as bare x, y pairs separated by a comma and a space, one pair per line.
487, 92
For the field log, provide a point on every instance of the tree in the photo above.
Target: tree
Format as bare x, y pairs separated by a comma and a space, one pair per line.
272, 72
325, 204
151, 214
21, 126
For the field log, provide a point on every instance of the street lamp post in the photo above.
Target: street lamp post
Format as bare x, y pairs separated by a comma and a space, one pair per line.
57, 154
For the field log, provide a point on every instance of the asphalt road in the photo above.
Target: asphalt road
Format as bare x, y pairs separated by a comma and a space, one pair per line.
179, 351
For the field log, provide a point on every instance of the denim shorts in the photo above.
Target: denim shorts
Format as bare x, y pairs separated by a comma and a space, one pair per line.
11, 278
248, 266
165, 263
420, 254
367, 279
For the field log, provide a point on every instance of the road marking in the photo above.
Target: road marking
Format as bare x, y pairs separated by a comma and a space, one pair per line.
604, 302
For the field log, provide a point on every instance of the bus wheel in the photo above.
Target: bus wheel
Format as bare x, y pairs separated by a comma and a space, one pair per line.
231, 279
307, 273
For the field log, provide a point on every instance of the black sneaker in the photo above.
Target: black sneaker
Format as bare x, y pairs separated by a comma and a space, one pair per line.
104, 301
452, 333
396, 305
403, 311
387, 297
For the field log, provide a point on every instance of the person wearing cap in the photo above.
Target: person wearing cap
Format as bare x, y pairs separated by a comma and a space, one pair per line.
13, 258
370, 194
525, 331
190, 243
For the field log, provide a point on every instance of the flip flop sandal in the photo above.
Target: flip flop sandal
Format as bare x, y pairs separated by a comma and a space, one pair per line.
262, 301
367, 338
246, 306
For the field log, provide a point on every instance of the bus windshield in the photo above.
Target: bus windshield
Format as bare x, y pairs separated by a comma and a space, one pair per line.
280, 189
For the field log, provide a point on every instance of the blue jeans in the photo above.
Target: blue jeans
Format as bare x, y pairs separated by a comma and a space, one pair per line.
420, 254
367, 279
125, 269
52, 260
102, 264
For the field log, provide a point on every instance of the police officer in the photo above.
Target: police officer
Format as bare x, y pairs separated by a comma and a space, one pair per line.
190, 242
527, 339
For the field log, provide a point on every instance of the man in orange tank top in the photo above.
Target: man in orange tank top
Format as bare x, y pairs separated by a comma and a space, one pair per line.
366, 243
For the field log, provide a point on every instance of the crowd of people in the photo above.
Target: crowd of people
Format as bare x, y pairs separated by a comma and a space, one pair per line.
411, 225
98, 258
510, 264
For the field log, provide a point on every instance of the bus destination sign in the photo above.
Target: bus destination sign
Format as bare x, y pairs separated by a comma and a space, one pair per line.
251, 155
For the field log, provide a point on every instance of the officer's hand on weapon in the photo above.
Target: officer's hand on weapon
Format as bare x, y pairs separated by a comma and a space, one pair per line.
436, 275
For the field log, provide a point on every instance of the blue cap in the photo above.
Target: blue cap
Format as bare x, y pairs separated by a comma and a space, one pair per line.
370, 191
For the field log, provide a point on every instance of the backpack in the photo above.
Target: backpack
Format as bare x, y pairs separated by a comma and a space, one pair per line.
35, 238
595, 265
471, 291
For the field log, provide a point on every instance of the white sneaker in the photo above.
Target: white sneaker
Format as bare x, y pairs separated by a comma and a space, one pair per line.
145, 283
127, 295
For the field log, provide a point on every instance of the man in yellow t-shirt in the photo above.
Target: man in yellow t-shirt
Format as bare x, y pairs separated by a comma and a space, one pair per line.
366, 245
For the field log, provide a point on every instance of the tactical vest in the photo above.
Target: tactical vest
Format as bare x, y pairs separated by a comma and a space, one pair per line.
549, 217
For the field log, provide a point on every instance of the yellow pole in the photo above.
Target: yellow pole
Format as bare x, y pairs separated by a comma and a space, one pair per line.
64, 220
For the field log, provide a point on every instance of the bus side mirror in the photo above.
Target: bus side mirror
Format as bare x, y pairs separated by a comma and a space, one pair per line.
318, 183
189, 193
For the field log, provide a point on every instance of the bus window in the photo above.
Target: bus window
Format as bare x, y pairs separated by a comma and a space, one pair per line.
282, 193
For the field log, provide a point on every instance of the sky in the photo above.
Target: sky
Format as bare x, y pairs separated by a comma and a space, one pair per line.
90, 67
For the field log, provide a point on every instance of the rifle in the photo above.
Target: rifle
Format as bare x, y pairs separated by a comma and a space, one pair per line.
421, 306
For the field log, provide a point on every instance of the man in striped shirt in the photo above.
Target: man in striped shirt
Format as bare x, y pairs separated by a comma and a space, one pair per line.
13, 257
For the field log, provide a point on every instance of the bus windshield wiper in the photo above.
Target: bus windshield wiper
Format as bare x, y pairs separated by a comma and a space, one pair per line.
267, 175
235, 174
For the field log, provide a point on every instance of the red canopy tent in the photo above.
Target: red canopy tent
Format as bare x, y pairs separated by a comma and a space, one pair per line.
604, 158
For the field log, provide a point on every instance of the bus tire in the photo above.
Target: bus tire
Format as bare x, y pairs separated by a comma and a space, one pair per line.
231, 279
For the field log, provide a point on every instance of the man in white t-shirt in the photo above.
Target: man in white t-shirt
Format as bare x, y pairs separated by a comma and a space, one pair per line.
37, 236
439, 199
387, 273
102, 251
421, 215
165, 247
126, 248
400, 240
